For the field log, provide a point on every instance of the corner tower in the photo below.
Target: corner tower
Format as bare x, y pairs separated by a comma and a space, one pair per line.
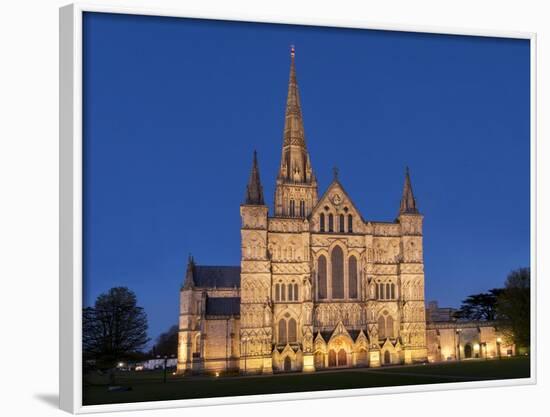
411, 271
255, 309
296, 189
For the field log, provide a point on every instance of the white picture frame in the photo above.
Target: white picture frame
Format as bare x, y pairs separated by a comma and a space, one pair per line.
70, 43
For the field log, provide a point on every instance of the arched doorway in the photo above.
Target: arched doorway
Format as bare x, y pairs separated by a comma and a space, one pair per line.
362, 359
342, 357
331, 358
387, 357
467, 350
288, 364
319, 360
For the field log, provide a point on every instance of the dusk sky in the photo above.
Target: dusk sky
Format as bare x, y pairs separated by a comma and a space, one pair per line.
173, 109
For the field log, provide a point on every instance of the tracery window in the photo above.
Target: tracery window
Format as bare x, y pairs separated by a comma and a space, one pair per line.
322, 222
292, 331
282, 331
352, 273
322, 277
381, 327
385, 291
337, 261
389, 327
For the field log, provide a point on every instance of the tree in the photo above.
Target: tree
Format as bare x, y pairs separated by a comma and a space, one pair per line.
167, 343
115, 328
479, 306
514, 307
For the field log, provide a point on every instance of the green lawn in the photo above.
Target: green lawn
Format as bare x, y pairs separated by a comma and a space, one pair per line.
149, 386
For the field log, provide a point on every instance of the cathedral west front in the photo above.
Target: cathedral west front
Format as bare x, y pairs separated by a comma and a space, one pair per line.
318, 286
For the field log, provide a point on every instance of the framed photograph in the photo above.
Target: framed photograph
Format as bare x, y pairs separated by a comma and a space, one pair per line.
254, 209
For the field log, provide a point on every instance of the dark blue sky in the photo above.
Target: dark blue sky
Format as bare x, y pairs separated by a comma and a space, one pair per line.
173, 109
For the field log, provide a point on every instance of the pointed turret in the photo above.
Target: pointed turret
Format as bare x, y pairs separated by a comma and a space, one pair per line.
189, 274
296, 192
408, 203
254, 189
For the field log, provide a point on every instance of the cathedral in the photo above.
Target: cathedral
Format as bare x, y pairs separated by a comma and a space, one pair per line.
318, 286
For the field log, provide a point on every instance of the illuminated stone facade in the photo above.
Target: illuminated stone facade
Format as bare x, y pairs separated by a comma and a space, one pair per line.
318, 286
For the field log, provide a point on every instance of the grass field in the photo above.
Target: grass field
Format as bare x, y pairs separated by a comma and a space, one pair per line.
149, 386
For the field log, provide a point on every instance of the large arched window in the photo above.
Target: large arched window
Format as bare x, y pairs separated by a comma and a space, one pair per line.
342, 223
350, 223
330, 223
282, 331
322, 222
337, 261
389, 327
292, 331
352, 272
322, 277
381, 327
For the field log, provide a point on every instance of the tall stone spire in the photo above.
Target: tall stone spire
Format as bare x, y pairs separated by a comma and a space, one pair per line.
296, 191
408, 203
295, 163
254, 189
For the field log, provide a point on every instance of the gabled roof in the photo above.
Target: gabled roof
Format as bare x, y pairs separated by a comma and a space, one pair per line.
217, 276
336, 184
223, 306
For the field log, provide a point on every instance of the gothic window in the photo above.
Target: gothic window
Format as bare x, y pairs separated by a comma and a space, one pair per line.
330, 223
382, 295
295, 292
292, 331
389, 326
388, 291
393, 291
277, 292
292, 208
302, 208
290, 295
381, 327
352, 272
322, 222
337, 261
350, 223
322, 277
377, 291
282, 331
387, 357
331, 358
283, 292
342, 223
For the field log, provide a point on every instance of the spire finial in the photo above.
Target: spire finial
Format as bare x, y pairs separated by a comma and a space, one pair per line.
292, 50
408, 202
254, 189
